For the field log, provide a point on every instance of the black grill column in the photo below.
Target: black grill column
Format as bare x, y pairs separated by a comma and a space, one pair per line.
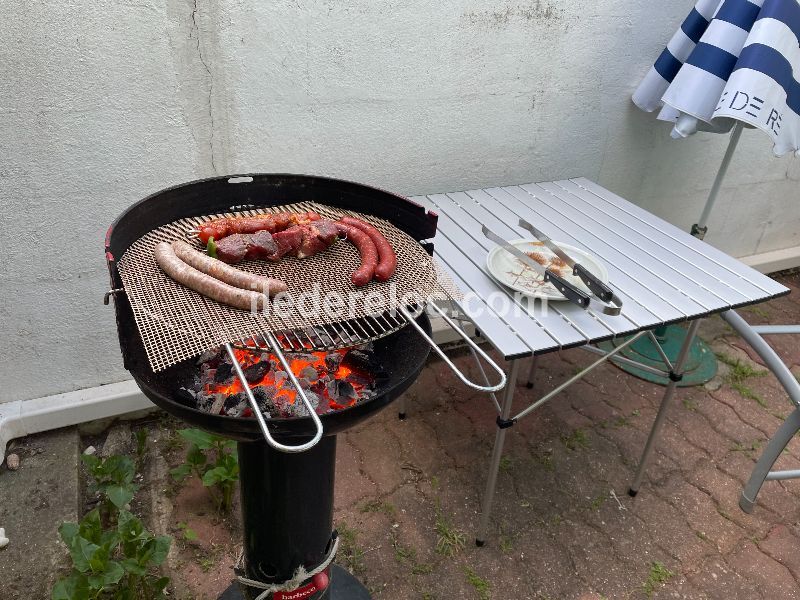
287, 509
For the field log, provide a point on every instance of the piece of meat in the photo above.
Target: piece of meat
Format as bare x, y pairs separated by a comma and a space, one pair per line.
226, 273
387, 259
205, 284
288, 240
317, 237
233, 249
271, 222
262, 246
366, 248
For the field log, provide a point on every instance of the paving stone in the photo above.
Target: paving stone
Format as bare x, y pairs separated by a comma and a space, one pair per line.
34, 501
351, 483
783, 545
118, 440
774, 580
717, 579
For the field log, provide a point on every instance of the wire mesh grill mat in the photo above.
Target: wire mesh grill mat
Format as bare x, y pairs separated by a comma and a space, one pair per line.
176, 323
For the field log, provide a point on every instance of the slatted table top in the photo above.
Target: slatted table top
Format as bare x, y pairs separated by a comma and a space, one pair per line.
662, 274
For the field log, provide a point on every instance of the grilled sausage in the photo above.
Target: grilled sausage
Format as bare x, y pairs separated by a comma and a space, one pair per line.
205, 284
366, 248
272, 222
226, 273
387, 259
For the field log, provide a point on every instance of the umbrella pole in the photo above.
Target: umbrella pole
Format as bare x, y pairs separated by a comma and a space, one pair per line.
700, 228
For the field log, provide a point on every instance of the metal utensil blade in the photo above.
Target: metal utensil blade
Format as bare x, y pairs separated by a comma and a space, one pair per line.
527, 260
552, 246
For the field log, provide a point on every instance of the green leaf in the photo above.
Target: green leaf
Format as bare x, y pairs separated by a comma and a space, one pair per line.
113, 573
74, 587
199, 438
131, 565
162, 544
181, 472
90, 526
68, 531
129, 527
90, 460
82, 551
214, 476
108, 577
196, 457
119, 495
159, 585
120, 468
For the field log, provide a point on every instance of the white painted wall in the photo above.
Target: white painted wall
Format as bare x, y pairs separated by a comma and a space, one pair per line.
105, 102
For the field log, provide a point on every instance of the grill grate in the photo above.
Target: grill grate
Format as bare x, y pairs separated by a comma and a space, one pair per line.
177, 323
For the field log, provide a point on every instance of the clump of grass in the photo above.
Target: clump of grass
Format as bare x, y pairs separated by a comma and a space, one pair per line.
576, 439
450, 540
378, 506
757, 311
659, 574
479, 583
597, 501
748, 449
506, 544
738, 374
505, 464
545, 459
351, 553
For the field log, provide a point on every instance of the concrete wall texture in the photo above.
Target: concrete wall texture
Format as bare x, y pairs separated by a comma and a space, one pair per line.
106, 102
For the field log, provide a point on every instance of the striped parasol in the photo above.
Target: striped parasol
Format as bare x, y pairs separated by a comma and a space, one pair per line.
731, 61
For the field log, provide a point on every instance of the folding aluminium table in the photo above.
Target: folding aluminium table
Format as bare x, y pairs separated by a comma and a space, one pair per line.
662, 274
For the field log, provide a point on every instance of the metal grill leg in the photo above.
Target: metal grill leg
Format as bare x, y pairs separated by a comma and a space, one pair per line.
662, 410
777, 443
497, 453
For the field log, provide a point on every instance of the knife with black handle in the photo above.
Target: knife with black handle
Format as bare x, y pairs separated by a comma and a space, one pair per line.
597, 287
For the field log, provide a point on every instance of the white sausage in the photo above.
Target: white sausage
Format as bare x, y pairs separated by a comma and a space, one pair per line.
205, 284
224, 272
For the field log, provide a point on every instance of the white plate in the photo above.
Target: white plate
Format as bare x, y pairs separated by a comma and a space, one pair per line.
510, 271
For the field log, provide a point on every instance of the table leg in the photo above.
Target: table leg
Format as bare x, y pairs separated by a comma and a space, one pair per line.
662, 410
532, 372
497, 453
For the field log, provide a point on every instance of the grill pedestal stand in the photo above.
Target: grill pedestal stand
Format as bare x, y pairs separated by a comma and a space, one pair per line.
287, 517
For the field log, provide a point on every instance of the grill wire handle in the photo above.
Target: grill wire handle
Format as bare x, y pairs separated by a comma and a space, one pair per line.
276, 349
481, 388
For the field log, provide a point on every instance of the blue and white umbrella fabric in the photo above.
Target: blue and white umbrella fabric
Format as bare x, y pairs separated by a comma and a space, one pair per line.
734, 60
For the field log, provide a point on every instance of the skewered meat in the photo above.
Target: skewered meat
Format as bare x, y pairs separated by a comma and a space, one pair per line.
299, 240
272, 222
387, 259
248, 246
366, 248
230, 275
206, 284
317, 237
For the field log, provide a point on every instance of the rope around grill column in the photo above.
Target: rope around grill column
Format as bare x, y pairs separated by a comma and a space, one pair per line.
300, 574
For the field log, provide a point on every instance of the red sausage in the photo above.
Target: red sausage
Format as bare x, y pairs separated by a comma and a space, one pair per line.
366, 248
387, 259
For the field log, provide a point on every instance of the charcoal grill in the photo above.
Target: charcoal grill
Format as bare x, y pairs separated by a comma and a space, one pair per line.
287, 464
